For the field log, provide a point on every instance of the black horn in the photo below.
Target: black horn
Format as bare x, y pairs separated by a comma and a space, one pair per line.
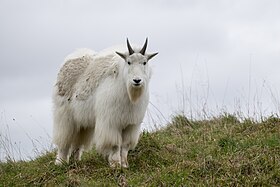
143, 50
130, 50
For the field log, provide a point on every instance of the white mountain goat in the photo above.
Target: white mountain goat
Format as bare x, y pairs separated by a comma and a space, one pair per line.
101, 98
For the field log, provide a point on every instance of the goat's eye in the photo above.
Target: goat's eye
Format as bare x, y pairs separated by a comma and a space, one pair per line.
144, 63
128, 63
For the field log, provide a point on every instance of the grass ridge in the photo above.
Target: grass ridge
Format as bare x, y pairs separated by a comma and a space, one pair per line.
223, 151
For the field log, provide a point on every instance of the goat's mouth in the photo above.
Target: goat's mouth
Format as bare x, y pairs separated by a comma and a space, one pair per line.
136, 85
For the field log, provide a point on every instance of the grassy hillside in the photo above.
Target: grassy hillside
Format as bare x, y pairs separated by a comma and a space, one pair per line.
217, 152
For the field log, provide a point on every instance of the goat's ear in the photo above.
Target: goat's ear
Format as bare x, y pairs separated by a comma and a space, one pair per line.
121, 55
150, 56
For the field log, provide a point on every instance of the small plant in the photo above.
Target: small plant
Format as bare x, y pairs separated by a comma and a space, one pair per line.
227, 144
228, 119
181, 121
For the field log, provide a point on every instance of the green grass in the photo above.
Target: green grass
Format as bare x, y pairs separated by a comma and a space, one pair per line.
219, 152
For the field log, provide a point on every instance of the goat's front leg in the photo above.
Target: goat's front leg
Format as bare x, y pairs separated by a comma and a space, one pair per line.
108, 141
124, 153
114, 157
130, 136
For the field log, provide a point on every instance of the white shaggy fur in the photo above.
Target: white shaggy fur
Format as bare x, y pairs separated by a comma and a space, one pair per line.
97, 100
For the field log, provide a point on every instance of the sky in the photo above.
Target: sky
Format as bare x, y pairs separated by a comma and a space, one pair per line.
214, 57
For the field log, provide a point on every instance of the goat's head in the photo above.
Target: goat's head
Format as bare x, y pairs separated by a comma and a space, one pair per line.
136, 70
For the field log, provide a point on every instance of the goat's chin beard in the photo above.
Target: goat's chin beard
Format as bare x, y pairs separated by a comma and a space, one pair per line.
135, 93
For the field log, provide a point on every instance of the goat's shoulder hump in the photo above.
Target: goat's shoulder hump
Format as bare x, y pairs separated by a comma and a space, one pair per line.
70, 72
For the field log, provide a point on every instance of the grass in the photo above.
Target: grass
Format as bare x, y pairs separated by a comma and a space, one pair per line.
222, 151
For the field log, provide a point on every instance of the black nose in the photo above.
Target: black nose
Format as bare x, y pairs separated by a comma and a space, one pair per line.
137, 81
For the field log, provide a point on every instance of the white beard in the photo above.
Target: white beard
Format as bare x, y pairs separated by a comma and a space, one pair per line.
135, 93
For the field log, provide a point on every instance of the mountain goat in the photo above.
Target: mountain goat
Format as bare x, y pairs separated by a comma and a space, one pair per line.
101, 99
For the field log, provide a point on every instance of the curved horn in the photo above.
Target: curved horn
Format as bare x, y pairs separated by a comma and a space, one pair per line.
143, 50
130, 50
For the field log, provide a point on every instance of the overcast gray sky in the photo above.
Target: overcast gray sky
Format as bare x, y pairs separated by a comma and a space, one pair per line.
214, 56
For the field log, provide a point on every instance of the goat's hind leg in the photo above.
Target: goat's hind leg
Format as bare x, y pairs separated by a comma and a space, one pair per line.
63, 130
82, 141
62, 155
